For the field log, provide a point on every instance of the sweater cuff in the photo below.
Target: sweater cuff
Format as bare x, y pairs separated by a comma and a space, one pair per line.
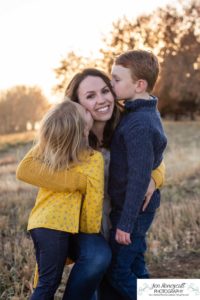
126, 224
158, 176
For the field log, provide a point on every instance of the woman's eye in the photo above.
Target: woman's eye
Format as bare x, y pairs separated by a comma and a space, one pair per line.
106, 91
90, 96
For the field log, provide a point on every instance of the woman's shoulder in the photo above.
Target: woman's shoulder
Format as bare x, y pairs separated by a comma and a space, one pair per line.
95, 157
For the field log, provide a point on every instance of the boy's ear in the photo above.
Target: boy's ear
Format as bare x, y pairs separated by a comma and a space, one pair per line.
141, 86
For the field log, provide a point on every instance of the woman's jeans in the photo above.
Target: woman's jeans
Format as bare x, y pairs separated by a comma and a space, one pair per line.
128, 261
92, 256
51, 248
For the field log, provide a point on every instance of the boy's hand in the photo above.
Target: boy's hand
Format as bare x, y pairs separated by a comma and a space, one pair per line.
122, 237
149, 193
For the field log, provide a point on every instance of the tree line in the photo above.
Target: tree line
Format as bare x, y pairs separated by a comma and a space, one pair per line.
21, 106
173, 34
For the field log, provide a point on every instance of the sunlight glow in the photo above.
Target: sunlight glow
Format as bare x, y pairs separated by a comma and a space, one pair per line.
37, 34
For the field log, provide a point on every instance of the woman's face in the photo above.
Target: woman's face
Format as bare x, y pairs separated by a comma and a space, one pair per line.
96, 97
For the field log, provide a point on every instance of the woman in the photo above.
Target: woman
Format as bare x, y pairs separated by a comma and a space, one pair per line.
92, 89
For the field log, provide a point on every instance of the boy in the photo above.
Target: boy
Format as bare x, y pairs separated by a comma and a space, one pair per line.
137, 148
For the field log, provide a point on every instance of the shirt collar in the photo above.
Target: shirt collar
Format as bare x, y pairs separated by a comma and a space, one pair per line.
133, 105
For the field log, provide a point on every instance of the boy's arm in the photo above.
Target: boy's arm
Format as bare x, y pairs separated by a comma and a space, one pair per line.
140, 157
91, 212
31, 170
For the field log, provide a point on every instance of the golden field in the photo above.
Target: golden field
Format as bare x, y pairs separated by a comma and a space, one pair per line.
173, 240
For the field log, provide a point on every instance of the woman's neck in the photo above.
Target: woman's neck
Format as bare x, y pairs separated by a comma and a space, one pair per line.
98, 129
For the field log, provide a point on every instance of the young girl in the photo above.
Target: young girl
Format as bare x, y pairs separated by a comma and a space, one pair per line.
63, 144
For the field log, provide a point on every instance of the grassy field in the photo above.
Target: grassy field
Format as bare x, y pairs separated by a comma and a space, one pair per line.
174, 239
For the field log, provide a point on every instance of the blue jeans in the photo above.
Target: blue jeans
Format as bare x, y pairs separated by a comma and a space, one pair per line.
51, 248
107, 292
128, 261
92, 257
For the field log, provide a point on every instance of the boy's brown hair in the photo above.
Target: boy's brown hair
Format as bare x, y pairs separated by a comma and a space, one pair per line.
142, 64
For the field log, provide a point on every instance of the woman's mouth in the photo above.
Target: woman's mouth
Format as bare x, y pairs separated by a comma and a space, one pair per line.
103, 109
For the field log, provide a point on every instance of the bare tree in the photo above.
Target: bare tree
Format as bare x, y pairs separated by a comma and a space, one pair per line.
19, 105
69, 66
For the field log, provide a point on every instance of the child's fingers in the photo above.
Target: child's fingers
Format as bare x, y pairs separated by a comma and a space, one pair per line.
122, 237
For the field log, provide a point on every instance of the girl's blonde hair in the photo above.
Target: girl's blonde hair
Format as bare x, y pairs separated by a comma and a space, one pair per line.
61, 139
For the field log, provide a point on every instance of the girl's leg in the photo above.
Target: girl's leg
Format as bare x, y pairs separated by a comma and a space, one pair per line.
51, 251
92, 256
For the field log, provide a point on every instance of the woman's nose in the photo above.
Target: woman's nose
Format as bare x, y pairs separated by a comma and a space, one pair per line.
101, 98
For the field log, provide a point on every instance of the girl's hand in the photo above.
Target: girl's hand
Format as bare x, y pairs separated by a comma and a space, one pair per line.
122, 237
149, 193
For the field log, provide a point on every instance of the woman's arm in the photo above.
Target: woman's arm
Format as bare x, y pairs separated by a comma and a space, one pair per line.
92, 207
158, 175
31, 170
157, 181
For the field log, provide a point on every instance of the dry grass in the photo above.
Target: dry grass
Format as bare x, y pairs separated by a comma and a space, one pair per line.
176, 228
182, 155
14, 138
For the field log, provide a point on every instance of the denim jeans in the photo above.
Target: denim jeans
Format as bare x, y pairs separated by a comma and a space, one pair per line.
128, 261
51, 247
107, 292
92, 256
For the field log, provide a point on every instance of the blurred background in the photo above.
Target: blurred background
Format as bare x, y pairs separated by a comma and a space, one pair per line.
43, 44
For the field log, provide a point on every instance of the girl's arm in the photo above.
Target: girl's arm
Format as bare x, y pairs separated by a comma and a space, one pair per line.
31, 170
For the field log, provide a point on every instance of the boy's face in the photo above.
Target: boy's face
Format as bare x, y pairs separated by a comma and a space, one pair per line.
122, 82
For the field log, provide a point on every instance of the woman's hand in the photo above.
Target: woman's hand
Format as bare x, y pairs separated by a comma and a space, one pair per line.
149, 193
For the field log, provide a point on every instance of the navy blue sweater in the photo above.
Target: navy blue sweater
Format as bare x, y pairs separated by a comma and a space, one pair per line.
136, 149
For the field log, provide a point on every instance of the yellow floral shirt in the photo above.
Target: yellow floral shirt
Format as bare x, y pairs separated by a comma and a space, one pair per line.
71, 211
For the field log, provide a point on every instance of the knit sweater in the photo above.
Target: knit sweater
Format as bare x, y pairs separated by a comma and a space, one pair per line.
137, 148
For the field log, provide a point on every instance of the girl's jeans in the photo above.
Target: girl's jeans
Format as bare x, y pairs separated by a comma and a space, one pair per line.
128, 261
51, 248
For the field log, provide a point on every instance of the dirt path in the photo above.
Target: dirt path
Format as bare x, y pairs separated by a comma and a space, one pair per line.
180, 265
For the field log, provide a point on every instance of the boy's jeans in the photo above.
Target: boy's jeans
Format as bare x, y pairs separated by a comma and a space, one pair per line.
128, 262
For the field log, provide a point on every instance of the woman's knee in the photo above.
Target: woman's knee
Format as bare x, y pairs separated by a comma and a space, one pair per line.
102, 258
95, 254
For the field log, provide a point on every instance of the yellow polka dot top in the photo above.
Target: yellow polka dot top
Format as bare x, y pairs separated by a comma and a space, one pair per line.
71, 211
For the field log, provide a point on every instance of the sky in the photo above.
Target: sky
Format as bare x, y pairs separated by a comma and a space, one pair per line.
36, 34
